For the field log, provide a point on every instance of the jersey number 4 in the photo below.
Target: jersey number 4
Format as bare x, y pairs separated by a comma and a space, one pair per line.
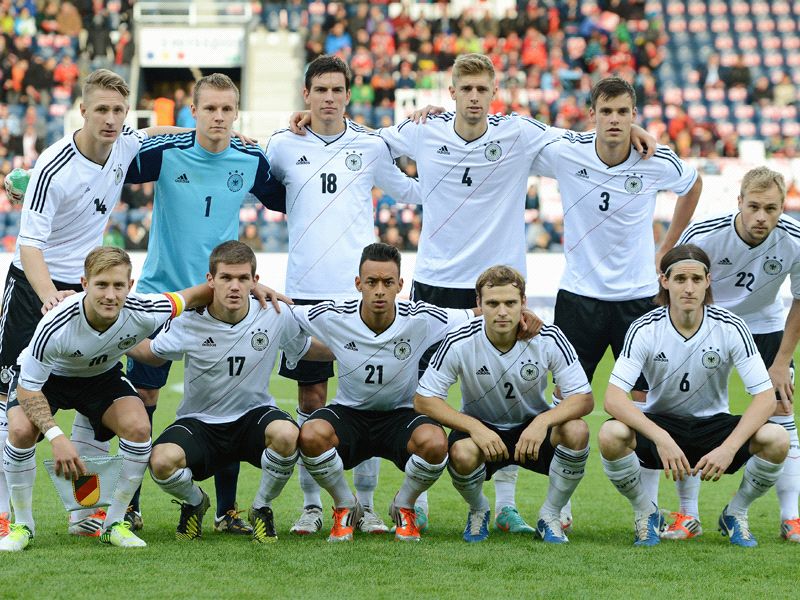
100, 206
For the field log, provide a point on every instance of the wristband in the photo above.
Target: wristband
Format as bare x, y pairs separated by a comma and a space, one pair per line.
53, 432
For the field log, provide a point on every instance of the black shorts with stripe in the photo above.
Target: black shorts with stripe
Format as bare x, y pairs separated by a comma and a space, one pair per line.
21, 313
90, 396
210, 446
593, 325
510, 438
696, 436
307, 372
364, 434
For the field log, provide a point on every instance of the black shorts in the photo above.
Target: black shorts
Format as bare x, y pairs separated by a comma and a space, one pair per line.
364, 434
696, 436
211, 446
768, 345
510, 438
445, 298
146, 377
307, 372
593, 325
22, 311
90, 396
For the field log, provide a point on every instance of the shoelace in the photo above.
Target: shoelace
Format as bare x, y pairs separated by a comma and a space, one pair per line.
643, 527
554, 523
744, 526
475, 522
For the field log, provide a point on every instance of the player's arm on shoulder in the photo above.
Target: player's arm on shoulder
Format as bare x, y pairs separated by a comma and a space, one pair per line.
684, 209
643, 141
38, 275
192, 297
143, 353
318, 351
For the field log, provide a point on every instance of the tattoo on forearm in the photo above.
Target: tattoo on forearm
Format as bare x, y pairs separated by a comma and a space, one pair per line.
37, 409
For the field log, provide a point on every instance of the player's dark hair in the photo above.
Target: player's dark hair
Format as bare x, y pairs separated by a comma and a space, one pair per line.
612, 87
500, 275
380, 252
103, 258
328, 64
231, 252
679, 253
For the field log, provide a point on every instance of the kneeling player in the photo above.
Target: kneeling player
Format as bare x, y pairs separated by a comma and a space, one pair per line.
504, 416
227, 413
377, 342
72, 362
686, 349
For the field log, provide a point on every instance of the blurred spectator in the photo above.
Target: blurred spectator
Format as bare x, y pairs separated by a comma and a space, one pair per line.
113, 236
251, 237
136, 236
183, 109
737, 75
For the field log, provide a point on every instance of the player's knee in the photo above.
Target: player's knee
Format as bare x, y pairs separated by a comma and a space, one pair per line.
614, 437
135, 430
311, 397
465, 456
163, 463
574, 434
281, 437
21, 432
772, 441
149, 396
430, 443
316, 436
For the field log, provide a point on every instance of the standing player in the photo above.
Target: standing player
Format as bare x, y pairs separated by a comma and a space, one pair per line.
201, 180
73, 362
753, 251
377, 341
686, 350
329, 175
227, 413
74, 187
505, 418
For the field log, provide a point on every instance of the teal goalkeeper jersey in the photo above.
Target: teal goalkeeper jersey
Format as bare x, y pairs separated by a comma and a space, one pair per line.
198, 195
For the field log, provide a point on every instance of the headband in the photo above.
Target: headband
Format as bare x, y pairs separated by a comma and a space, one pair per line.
685, 261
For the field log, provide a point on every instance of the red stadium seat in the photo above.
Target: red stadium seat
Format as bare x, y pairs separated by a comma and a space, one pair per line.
780, 8
675, 8
698, 112
747, 42
719, 111
768, 129
715, 95
696, 8
744, 112
720, 24
692, 94
697, 25
652, 111
737, 94
740, 9
760, 8
718, 9
742, 25
724, 128
677, 25
746, 129
790, 128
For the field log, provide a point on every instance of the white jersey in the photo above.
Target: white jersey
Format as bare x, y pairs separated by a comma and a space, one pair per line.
378, 372
228, 367
69, 200
689, 377
608, 215
747, 279
504, 389
65, 344
329, 205
473, 193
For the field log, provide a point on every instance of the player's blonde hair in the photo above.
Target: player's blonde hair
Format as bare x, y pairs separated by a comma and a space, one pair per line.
761, 179
232, 252
105, 80
217, 81
472, 64
677, 254
500, 275
105, 258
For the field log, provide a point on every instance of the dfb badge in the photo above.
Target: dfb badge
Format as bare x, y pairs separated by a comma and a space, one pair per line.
773, 265
633, 184
118, 175
235, 181
6, 374
529, 371
493, 151
259, 341
402, 349
711, 359
127, 342
353, 161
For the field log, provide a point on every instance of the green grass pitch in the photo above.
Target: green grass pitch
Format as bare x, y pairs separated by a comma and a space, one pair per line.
599, 561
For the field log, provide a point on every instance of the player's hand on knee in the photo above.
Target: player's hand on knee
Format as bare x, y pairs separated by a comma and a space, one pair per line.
265, 294
673, 459
530, 442
67, 462
714, 464
54, 300
421, 114
784, 388
298, 121
490, 444
529, 325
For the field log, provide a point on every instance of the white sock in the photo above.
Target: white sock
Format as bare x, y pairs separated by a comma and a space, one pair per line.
20, 468
788, 485
311, 491
135, 458
650, 481
83, 439
327, 470
365, 480
566, 471
625, 474
422, 501
181, 486
275, 472
759, 475
470, 487
5, 501
688, 495
420, 475
505, 487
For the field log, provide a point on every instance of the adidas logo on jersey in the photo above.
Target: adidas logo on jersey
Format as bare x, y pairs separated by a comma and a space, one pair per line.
76, 354
351, 346
583, 173
482, 371
209, 342
725, 261
182, 178
302, 161
661, 357
443, 150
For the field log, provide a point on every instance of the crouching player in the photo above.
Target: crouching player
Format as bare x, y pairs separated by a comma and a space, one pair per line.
73, 362
504, 416
686, 350
227, 413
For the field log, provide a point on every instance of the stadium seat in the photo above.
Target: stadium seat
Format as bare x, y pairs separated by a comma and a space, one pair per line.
719, 111
768, 129
698, 112
790, 128
724, 128
746, 129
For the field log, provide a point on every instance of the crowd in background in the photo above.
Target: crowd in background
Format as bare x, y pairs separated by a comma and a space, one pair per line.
547, 55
